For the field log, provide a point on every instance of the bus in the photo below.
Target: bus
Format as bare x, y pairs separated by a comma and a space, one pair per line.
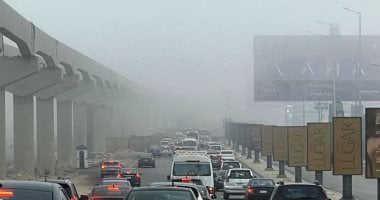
190, 144
204, 135
192, 134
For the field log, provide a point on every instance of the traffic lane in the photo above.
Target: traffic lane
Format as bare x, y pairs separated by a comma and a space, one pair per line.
160, 172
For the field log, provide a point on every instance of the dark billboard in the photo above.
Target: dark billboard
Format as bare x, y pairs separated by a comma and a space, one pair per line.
297, 68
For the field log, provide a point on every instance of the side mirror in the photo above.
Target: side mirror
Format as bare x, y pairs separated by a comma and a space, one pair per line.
168, 177
83, 197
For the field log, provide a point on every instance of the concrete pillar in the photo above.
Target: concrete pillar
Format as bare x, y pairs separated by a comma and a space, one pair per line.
90, 130
65, 142
45, 136
24, 159
101, 127
80, 124
2, 134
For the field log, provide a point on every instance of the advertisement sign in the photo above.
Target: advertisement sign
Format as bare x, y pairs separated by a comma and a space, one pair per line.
347, 138
372, 150
297, 146
283, 72
267, 140
280, 143
255, 135
318, 147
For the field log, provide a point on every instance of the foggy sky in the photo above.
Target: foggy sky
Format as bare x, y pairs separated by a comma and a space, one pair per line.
200, 49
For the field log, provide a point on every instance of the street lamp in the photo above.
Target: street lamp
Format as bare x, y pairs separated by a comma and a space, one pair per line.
359, 53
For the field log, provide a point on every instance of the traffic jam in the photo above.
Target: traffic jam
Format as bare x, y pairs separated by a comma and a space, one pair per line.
200, 169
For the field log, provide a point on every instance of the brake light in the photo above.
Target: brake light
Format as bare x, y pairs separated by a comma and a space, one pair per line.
118, 176
138, 175
6, 193
211, 190
113, 189
74, 198
104, 166
186, 180
251, 190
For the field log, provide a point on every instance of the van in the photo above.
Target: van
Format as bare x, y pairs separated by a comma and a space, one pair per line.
193, 165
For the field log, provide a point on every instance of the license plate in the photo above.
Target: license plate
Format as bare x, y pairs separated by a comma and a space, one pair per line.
262, 191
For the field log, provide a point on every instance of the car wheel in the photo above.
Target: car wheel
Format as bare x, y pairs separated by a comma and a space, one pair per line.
225, 195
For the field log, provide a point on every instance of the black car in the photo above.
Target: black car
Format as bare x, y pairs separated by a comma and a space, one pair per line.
115, 181
219, 179
161, 193
32, 190
156, 153
146, 159
69, 187
299, 191
114, 192
259, 189
132, 175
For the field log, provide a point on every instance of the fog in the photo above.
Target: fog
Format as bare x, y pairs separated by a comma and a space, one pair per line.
198, 52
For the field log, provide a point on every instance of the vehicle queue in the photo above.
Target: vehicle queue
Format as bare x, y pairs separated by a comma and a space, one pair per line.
199, 169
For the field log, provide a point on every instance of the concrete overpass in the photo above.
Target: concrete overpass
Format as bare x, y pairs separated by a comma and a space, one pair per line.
48, 78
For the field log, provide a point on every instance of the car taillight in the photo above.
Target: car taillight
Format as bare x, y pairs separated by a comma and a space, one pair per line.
74, 198
118, 166
211, 190
251, 190
186, 180
138, 175
118, 176
6, 193
104, 166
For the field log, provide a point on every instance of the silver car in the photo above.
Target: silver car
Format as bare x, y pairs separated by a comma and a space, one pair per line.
236, 181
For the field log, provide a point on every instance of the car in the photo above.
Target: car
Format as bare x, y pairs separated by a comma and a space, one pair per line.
226, 165
68, 186
33, 190
156, 153
165, 152
115, 181
216, 161
227, 159
114, 192
259, 189
205, 193
196, 190
236, 181
161, 193
219, 179
299, 191
110, 168
132, 175
146, 159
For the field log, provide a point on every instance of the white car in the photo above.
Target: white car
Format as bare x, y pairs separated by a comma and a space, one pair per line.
227, 164
227, 154
236, 181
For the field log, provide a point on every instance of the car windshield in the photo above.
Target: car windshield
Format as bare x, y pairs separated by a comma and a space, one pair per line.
261, 182
230, 165
309, 192
160, 195
115, 182
226, 152
192, 169
110, 191
240, 174
24, 194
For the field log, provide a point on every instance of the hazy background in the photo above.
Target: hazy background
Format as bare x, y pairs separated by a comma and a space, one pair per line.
197, 50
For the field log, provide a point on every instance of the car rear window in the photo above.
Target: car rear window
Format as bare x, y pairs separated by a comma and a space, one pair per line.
22, 194
230, 165
67, 188
240, 174
129, 171
145, 155
261, 182
300, 192
160, 195
227, 152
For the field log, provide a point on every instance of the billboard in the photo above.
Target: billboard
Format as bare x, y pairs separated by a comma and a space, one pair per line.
280, 143
255, 135
347, 138
297, 146
372, 124
297, 68
318, 147
267, 140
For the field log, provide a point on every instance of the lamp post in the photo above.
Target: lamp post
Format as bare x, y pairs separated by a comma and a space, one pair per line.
358, 68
